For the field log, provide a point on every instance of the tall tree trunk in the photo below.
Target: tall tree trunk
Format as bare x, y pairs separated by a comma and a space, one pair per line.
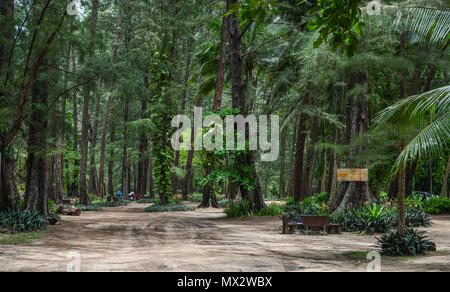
92, 187
9, 195
59, 167
101, 171
74, 186
111, 161
125, 149
239, 101
290, 190
311, 157
150, 175
323, 184
401, 228
36, 194
143, 161
282, 190
354, 194
445, 182
209, 198
298, 183
182, 109
84, 198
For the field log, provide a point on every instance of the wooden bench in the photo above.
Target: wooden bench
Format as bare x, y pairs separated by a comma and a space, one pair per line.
322, 222
66, 202
287, 226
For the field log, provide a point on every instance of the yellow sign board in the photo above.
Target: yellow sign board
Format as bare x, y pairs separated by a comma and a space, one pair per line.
353, 175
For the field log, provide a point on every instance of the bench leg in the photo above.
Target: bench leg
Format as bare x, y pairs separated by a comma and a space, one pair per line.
307, 230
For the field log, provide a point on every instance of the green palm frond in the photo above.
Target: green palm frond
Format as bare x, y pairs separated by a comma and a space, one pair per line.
411, 110
429, 111
432, 140
430, 24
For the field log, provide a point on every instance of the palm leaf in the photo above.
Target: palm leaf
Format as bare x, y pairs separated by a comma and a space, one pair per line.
432, 140
431, 25
430, 111
412, 110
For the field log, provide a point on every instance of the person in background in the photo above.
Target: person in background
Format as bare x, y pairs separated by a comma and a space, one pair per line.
131, 196
119, 195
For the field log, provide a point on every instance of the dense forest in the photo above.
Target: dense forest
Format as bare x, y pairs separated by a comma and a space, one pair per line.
88, 93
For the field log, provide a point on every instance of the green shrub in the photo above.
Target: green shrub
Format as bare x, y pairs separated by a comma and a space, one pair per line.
22, 221
378, 218
437, 205
168, 208
146, 201
195, 198
412, 244
368, 219
292, 210
239, 209
317, 205
271, 210
415, 217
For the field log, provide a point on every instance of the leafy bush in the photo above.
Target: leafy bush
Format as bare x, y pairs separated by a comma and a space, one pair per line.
378, 218
368, 219
146, 201
412, 244
437, 205
168, 208
22, 221
292, 210
239, 209
416, 217
244, 209
195, 198
271, 210
316, 205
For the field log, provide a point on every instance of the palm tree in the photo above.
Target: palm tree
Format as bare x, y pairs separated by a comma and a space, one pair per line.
428, 111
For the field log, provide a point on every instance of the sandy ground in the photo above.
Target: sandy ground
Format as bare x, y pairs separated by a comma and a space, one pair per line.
127, 239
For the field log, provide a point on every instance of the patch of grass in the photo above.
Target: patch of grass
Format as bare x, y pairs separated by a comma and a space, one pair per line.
19, 238
146, 201
85, 208
358, 254
113, 204
168, 208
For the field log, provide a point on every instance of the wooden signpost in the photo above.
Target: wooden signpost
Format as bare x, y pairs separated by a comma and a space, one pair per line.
353, 175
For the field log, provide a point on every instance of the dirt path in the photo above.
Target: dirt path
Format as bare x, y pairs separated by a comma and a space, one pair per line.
127, 239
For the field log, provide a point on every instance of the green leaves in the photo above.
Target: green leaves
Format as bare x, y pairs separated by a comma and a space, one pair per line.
338, 23
252, 10
429, 111
430, 24
413, 243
